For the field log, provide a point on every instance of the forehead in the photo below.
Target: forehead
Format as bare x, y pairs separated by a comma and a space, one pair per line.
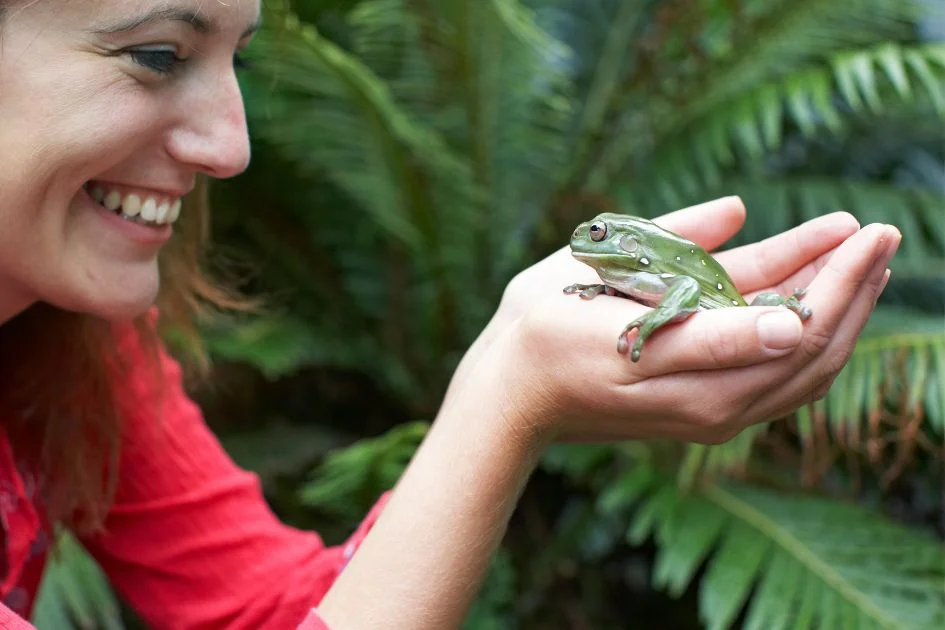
215, 15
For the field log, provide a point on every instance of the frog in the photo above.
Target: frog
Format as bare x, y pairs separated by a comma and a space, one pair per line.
636, 258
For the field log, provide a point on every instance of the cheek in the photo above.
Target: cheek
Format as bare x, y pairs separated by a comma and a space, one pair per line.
90, 119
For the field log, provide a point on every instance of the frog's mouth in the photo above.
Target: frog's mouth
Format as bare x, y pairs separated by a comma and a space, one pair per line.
587, 256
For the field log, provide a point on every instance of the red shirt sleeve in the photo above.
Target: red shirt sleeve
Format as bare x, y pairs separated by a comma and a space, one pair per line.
9, 620
190, 542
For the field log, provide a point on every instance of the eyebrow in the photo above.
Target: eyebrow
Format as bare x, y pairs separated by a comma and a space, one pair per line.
198, 22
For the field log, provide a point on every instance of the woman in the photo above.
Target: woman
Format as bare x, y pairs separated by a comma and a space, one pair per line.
111, 109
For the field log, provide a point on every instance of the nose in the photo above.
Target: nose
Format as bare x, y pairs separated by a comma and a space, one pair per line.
212, 137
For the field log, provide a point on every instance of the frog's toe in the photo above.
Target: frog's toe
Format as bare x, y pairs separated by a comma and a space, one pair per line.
804, 312
799, 292
622, 341
622, 345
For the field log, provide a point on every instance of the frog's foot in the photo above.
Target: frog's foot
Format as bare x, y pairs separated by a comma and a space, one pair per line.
589, 291
792, 303
648, 324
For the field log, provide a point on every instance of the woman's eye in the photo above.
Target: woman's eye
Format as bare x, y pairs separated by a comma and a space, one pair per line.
161, 61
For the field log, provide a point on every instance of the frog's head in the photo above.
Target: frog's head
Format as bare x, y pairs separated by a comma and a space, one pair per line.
615, 240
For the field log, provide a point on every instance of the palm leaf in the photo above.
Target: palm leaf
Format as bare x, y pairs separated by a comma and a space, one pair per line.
802, 561
813, 97
777, 204
74, 593
890, 393
786, 38
349, 480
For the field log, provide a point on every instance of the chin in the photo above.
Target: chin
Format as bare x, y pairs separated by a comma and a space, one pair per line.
116, 299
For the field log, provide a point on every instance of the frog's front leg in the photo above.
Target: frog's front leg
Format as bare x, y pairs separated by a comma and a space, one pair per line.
793, 302
680, 300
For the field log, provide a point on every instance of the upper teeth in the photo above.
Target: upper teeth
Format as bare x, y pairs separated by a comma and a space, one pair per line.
131, 205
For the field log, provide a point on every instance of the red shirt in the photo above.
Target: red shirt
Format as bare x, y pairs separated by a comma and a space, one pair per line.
190, 542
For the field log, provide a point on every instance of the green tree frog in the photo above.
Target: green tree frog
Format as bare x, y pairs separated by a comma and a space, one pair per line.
636, 258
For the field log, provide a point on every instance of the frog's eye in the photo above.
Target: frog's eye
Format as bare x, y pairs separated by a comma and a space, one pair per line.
629, 244
598, 231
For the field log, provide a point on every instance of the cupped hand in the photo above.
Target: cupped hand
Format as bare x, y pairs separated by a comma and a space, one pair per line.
549, 360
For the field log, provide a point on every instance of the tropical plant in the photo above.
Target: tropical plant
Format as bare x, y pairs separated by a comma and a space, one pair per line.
412, 155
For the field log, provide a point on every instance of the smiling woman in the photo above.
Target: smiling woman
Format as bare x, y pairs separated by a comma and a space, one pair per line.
91, 181
115, 113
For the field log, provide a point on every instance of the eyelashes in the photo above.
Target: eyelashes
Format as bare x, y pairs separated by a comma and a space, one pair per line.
159, 61
165, 62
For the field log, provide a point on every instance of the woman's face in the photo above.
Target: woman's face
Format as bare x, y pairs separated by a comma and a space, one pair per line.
108, 110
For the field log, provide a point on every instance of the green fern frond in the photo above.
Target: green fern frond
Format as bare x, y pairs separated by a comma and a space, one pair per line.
797, 561
775, 205
608, 71
328, 111
350, 479
791, 35
814, 97
889, 395
789, 38
74, 593
892, 386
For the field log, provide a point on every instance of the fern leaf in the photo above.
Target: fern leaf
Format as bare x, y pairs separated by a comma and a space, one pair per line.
362, 471
74, 592
794, 561
777, 204
905, 352
750, 123
792, 39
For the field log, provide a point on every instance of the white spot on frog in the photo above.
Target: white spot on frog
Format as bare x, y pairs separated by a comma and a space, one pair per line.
645, 261
718, 286
703, 262
735, 302
678, 258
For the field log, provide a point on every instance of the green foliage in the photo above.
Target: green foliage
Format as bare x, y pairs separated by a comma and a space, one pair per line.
411, 155
358, 472
426, 150
74, 594
807, 561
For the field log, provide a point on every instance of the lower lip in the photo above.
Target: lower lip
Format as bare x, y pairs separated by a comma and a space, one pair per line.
141, 234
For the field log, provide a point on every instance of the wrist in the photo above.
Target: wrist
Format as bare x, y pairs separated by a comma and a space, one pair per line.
494, 404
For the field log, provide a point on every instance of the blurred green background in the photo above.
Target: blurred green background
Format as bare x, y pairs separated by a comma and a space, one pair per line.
410, 156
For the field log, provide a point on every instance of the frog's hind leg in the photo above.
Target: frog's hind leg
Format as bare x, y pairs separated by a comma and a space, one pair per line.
793, 302
679, 302
590, 291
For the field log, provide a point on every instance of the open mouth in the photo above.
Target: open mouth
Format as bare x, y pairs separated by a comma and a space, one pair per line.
139, 208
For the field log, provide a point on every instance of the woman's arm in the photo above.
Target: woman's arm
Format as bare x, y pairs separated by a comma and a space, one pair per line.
190, 541
549, 371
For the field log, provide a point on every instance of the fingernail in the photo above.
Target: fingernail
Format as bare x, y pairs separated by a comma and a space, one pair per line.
886, 275
882, 286
779, 330
890, 250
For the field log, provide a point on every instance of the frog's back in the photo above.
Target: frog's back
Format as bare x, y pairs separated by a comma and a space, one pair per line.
718, 290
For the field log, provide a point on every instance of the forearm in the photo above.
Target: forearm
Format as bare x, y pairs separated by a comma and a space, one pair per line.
423, 562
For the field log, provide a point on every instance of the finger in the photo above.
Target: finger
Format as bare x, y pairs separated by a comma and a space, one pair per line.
720, 339
708, 224
777, 388
801, 278
827, 361
833, 290
770, 261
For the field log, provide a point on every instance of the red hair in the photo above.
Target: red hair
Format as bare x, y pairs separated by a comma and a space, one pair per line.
60, 374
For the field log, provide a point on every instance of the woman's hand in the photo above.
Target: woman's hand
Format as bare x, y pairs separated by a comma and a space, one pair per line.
550, 361
546, 367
